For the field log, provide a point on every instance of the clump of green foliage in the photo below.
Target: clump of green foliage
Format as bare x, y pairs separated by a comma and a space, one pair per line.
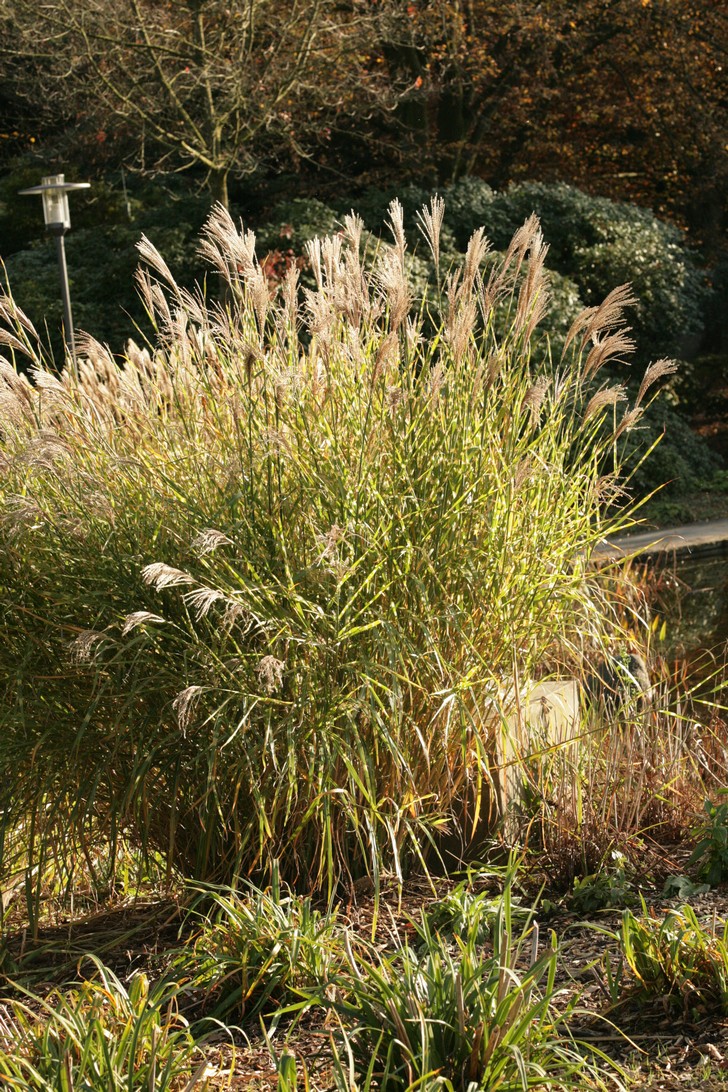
465, 910
677, 959
609, 888
101, 1036
458, 1017
448, 1010
711, 851
258, 950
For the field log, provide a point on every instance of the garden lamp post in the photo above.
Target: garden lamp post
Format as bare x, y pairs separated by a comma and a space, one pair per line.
54, 190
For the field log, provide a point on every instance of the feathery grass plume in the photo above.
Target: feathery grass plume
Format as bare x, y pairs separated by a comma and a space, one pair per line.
615, 346
46, 449
13, 342
430, 222
606, 317
527, 240
160, 576
184, 704
139, 618
404, 543
15, 405
15, 382
16, 329
654, 372
396, 226
608, 489
476, 253
392, 283
83, 647
11, 314
609, 313
629, 421
523, 471
330, 541
209, 540
270, 674
154, 300
462, 312
503, 280
229, 251
202, 599
533, 293
149, 254
609, 396
20, 514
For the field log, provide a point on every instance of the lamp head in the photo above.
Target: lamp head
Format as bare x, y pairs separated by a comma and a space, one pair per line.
54, 190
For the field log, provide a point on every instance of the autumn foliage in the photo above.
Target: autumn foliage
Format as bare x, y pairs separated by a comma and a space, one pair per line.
618, 96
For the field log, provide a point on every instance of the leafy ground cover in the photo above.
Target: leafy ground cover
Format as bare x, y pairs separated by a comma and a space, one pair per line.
653, 1035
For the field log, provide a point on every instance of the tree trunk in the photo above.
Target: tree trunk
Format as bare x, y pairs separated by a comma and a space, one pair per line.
219, 187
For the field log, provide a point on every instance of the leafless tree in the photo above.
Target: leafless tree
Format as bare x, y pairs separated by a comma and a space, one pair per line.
210, 83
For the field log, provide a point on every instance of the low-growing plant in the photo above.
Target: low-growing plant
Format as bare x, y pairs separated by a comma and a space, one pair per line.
258, 951
711, 851
609, 888
100, 1037
456, 1016
611, 976
677, 959
269, 588
682, 887
288, 1073
464, 911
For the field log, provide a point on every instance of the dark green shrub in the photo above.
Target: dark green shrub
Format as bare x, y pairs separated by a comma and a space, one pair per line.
372, 206
671, 290
598, 243
681, 463
568, 215
291, 224
470, 205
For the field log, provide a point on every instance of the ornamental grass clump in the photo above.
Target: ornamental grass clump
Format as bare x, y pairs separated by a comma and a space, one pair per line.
100, 1036
258, 951
268, 585
678, 960
456, 1017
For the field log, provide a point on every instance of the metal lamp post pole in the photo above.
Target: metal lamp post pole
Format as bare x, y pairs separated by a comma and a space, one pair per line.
54, 190
68, 335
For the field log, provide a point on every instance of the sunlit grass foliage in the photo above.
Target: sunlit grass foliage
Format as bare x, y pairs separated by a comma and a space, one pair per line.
257, 951
678, 960
447, 1015
102, 1037
268, 586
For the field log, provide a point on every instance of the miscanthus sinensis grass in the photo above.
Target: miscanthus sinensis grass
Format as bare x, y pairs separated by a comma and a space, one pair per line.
266, 585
